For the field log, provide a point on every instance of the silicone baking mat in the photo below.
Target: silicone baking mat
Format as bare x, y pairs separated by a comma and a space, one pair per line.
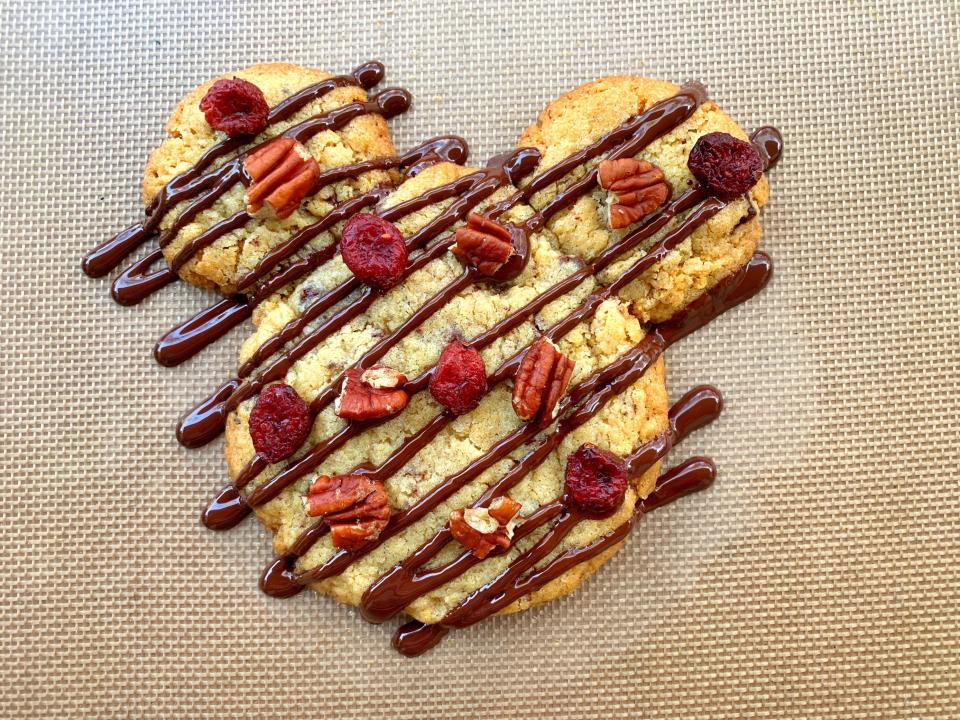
817, 578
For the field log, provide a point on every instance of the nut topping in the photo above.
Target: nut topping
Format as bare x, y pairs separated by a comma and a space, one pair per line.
639, 187
484, 244
283, 174
354, 506
541, 380
371, 394
480, 530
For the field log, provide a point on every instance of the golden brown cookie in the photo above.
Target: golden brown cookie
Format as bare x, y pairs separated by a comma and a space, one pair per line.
633, 417
229, 257
712, 252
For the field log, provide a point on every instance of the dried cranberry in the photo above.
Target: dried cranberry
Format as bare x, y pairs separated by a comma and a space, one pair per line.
279, 423
235, 106
459, 380
374, 250
725, 165
595, 480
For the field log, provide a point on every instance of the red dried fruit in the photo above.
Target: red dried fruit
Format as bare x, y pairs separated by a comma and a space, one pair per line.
374, 250
725, 165
595, 480
459, 380
236, 107
279, 422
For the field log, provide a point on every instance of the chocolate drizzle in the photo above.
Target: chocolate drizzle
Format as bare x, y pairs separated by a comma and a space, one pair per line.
328, 312
206, 421
107, 256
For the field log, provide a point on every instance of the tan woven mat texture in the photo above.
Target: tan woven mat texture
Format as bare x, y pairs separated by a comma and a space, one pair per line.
818, 578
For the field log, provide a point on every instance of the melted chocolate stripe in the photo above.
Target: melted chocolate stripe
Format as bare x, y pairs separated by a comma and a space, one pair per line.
394, 590
227, 178
106, 256
613, 378
415, 637
136, 283
207, 238
201, 329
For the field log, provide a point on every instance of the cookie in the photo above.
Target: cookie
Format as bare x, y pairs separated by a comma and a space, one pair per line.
714, 251
222, 263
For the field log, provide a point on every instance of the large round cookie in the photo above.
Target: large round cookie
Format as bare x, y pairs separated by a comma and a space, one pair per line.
637, 415
190, 135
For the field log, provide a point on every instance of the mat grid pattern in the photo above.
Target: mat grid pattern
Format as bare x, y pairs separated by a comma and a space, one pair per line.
819, 578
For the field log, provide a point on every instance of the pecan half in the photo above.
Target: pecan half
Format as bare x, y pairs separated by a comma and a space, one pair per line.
484, 244
355, 507
541, 380
371, 394
283, 174
480, 530
639, 187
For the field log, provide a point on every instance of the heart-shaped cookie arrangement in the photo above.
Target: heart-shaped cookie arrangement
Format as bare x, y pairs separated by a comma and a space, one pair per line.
453, 402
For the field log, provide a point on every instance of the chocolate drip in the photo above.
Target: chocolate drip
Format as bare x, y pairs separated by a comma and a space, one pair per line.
394, 590
769, 143
226, 510
211, 323
108, 255
135, 283
415, 637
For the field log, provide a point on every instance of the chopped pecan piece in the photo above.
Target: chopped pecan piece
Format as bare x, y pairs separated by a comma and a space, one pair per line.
541, 380
354, 506
371, 394
484, 244
283, 174
639, 187
480, 530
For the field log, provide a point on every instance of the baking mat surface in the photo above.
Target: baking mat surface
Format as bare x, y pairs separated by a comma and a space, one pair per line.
818, 577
